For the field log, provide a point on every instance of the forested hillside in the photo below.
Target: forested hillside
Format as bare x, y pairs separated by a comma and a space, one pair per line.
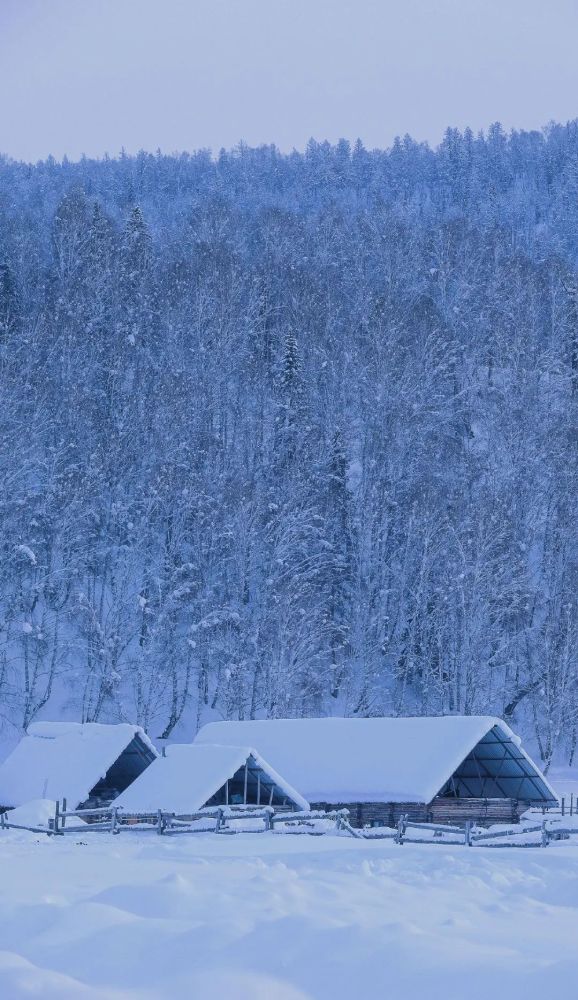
292, 434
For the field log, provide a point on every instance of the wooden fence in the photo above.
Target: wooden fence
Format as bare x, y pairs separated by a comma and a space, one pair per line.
220, 819
566, 806
469, 836
233, 819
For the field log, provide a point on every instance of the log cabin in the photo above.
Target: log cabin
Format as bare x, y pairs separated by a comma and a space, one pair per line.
445, 769
88, 764
193, 776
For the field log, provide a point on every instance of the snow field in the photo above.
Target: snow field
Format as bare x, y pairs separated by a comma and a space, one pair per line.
293, 918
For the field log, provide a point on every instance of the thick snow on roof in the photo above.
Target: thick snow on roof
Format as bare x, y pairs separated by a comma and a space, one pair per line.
189, 775
367, 760
63, 760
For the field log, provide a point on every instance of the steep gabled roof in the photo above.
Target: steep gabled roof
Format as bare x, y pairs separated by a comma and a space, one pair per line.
380, 759
190, 774
58, 760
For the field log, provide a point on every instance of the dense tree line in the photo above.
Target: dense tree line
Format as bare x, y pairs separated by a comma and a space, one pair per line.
292, 434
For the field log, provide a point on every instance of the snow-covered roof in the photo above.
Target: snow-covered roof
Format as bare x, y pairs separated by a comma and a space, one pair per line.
381, 759
190, 774
58, 760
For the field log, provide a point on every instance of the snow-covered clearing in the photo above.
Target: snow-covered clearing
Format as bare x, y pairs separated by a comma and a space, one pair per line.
271, 917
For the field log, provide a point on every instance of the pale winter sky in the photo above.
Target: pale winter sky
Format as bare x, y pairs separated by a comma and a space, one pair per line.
92, 76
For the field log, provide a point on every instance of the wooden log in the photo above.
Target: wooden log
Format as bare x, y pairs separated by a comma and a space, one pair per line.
343, 824
435, 843
499, 834
100, 811
31, 829
87, 828
436, 827
293, 817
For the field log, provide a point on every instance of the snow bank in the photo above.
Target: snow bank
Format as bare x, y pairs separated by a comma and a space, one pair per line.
35, 813
254, 917
20, 978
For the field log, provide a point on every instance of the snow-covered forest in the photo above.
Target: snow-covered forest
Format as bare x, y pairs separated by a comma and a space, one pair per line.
292, 434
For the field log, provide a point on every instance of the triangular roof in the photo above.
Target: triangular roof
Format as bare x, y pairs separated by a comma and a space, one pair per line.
190, 774
58, 760
379, 759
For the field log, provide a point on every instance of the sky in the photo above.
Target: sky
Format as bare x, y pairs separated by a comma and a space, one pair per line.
95, 76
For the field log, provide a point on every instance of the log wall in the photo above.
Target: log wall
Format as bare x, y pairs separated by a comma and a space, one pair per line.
482, 811
377, 813
440, 810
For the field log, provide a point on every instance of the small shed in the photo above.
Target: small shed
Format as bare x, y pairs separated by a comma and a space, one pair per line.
88, 764
443, 769
191, 776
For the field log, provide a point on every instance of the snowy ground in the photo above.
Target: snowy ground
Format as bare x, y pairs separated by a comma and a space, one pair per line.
271, 917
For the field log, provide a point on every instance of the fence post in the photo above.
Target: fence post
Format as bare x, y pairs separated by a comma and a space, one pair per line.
545, 837
56, 817
2, 820
400, 829
571, 802
468, 833
114, 820
63, 810
159, 822
563, 803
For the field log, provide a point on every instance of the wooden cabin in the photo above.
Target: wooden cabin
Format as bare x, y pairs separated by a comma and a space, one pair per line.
190, 777
444, 769
88, 764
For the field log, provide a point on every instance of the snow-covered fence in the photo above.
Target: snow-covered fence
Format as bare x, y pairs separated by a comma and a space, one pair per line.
112, 819
567, 805
103, 819
437, 829
216, 820
470, 837
245, 819
309, 822
219, 819
518, 836
5, 824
